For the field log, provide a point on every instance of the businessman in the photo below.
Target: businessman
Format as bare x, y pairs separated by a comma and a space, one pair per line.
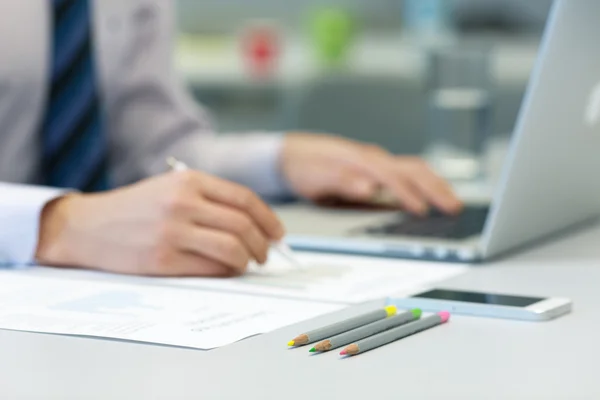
90, 108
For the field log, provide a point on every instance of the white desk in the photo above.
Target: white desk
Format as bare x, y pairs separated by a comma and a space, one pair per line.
469, 358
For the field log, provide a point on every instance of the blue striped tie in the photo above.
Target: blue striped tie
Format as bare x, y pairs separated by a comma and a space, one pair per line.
74, 149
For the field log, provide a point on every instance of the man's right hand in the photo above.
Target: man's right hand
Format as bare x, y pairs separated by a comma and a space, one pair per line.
178, 224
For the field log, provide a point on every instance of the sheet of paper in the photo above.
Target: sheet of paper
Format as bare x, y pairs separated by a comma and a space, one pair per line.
327, 278
331, 278
181, 317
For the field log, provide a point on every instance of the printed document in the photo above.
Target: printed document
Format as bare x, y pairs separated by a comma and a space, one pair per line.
330, 278
181, 317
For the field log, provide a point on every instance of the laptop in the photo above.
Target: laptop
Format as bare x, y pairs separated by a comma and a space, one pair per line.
550, 180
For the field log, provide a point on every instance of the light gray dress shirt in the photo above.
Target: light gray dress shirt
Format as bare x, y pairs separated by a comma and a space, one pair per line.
149, 114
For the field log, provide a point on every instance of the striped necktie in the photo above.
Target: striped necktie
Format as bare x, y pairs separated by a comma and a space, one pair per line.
74, 149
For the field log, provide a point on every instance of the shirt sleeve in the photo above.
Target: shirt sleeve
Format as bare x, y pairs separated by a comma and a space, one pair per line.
152, 116
251, 159
20, 208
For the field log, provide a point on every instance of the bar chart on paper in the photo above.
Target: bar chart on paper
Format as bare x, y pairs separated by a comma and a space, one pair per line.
109, 303
329, 278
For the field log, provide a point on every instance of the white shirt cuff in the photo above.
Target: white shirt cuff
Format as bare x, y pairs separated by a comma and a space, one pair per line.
254, 161
250, 159
20, 208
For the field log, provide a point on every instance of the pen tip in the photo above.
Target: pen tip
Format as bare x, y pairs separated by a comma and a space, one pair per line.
312, 350
343, 353
291, 343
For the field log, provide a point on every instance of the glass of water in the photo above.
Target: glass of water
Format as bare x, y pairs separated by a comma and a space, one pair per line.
459, 111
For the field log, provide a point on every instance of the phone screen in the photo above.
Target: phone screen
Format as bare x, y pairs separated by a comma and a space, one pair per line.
479, 298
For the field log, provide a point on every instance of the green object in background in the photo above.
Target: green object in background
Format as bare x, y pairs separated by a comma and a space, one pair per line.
332, 33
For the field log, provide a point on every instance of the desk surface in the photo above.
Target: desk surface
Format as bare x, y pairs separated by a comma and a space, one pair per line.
468, 358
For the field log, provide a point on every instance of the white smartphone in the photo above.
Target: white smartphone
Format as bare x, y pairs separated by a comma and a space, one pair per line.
484, 304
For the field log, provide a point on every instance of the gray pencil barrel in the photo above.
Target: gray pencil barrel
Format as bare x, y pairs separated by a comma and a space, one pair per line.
371, 329
398, 333
344, 326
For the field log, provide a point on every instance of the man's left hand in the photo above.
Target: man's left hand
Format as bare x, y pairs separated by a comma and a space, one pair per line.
322, 166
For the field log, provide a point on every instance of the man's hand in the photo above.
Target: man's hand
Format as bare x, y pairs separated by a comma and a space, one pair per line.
178, 224
321, 166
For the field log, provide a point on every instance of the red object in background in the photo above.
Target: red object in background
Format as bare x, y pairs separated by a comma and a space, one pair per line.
261, 48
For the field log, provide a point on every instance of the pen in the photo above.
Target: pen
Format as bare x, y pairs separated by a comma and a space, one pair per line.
176, 165
282, 248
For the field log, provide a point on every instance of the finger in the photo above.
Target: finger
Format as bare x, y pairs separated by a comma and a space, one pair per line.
224, 218
237, 196
409, 197
432, 187
381, 167
341, 182
221, 247
189, 264
443, 199
354, 186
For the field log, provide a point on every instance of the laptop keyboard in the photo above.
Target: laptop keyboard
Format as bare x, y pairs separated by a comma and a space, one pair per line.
437, 225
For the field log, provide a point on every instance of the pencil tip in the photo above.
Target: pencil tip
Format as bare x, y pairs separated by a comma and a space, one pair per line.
313, 350
343, 353
291, 343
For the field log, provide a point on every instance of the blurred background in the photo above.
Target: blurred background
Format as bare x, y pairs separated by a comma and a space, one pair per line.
440, 78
